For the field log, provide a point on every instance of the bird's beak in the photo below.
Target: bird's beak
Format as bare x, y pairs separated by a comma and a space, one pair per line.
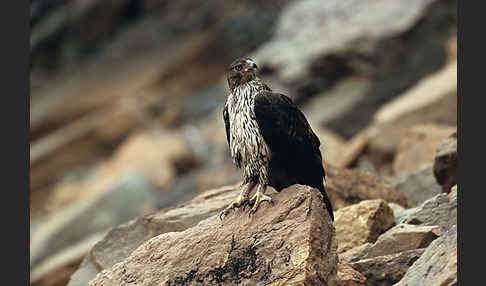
252, 64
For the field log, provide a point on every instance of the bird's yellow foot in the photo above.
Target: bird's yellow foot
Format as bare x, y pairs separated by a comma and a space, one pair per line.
239, 202
257, 198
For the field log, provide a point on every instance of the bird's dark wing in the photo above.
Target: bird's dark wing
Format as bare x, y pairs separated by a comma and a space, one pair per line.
282, 125
296, 157
226, 123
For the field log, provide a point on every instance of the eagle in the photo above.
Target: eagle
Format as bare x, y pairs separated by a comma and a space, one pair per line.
269, 138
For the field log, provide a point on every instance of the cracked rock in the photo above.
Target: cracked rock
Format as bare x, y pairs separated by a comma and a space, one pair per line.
291, 242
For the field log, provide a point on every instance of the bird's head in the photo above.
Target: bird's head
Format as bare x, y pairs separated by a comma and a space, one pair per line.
241, 71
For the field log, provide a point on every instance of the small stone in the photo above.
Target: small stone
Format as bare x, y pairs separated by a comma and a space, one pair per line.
437, 266
361, 223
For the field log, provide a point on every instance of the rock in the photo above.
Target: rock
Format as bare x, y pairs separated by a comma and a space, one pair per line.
367, 46
325, 107
417, 186
122, 240
346, 187
305, 20
445, 163
439, 210
400, 238
133, 195
290, 243
361, 223
142, 152
347, 276
437, 265
56, 269
338, 152
432, 100
417, 146
387, 269
396, 209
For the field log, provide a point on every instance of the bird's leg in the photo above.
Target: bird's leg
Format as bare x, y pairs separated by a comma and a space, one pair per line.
241, 200
259, 197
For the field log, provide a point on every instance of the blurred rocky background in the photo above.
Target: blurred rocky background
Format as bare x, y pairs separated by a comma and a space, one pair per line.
127, 139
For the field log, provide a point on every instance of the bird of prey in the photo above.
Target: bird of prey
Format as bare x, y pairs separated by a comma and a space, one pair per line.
269, 138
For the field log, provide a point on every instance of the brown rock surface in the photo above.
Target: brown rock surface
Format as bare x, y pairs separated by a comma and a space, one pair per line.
432, 100
402, 237
417, 147
445, 163
349, 277
388, 269
143, 152
361, 223
346, 187
122, 240
439, 210
418, 186
290, 243
438, 264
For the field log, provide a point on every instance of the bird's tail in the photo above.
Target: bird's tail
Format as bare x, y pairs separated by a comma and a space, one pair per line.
327, 202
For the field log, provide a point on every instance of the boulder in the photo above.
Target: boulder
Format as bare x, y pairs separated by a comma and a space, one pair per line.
347, 276
57, 269
400, 238
361, 223
134, 195
142, 152
445, 163
387, 270
338, 152
418, 145
437, 266
291, 242
348, 186
396, 209
122, 240
418, 185
439, 210
432, 100
371, 44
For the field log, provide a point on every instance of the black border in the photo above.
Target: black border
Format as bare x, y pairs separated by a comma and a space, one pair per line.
459, 175
15, 50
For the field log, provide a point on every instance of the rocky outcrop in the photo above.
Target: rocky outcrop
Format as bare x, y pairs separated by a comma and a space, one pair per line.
349, 277
418, 146
291, 242
125, 124
398, 250
122, 240
432, 100
377, 47
437, 265
418, 185
388, 269
439, 210
445, 163
349, 186
361, 223
400, 238
132, 196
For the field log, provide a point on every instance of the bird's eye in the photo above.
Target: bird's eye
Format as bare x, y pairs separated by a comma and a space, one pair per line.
239, 67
